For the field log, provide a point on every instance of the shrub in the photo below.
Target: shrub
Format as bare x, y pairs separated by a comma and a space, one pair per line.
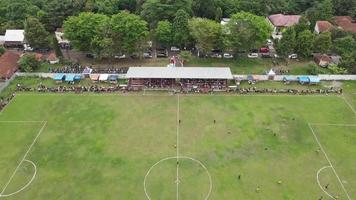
28, 63
2, 50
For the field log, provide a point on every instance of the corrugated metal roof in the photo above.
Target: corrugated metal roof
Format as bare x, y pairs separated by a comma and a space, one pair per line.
14, 36
180, 72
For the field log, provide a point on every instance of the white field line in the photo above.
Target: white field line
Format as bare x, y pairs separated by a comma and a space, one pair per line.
326, 124
177, 147
181, 157
327, 158
321, 187
24, 157
348, 103
25, 186
170, 94
21, 121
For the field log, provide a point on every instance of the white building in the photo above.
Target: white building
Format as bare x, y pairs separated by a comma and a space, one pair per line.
14, 38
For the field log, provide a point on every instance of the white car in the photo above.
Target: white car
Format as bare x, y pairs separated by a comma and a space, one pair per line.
293, 56
228, 56
252, 55
27, 47
269, 42
215, 55
175, 49
120, 56
147, 55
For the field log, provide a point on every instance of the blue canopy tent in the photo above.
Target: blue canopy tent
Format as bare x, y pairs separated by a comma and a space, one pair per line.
289, 79
77, 77
113, 78
314, 80
69, 77
59, 77
303, 79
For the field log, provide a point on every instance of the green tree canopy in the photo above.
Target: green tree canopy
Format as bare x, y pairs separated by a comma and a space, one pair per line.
36, 34
287, 44
157, 10
247, 31
323, 43
129, 32
206, 33
28, 63
81, 30
305, 41
164, 33
180, 28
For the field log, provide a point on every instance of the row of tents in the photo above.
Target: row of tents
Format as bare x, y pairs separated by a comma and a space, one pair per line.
311, 80
61, 77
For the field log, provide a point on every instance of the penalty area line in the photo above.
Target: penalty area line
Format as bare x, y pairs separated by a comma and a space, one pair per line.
24, 157
329, 161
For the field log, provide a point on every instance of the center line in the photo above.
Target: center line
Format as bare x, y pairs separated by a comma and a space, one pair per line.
177, 147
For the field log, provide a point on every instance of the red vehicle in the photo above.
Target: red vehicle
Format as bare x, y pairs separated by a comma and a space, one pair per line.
264, 50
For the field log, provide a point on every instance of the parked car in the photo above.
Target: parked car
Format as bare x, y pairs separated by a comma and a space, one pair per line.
264, 50
266, 55
147, 55
228, 56
293, 56
27, 47
215, 55
252, 55
175, 49
254, 50
120, 56
89, 55
269, 42
161, 55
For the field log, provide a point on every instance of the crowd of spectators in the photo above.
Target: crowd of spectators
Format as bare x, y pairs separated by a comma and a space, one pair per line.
4, 101
77, 68
116, 88
252, 90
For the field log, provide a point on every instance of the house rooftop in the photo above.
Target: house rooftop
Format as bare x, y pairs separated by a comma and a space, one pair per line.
345, 23
14, 35
8, 64
324, 26
280, 20
180, 72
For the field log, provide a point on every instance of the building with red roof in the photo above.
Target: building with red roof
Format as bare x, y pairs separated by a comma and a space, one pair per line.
323, 26
345, 23
8, 64
280, 22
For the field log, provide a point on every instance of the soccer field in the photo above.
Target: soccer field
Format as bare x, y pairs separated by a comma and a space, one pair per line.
163, 147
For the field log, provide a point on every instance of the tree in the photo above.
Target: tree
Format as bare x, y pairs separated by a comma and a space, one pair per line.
129, 32
323, 43
163, 33
81, 30
157, 10
204, 8
247, 31
303, 25
206, 33
345, 45
287, 43
2, 50
28, 63
180, 28
305, 43
218, 14
36, 34
320, 11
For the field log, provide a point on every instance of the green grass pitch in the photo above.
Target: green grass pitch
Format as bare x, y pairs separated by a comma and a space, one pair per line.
163, 147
